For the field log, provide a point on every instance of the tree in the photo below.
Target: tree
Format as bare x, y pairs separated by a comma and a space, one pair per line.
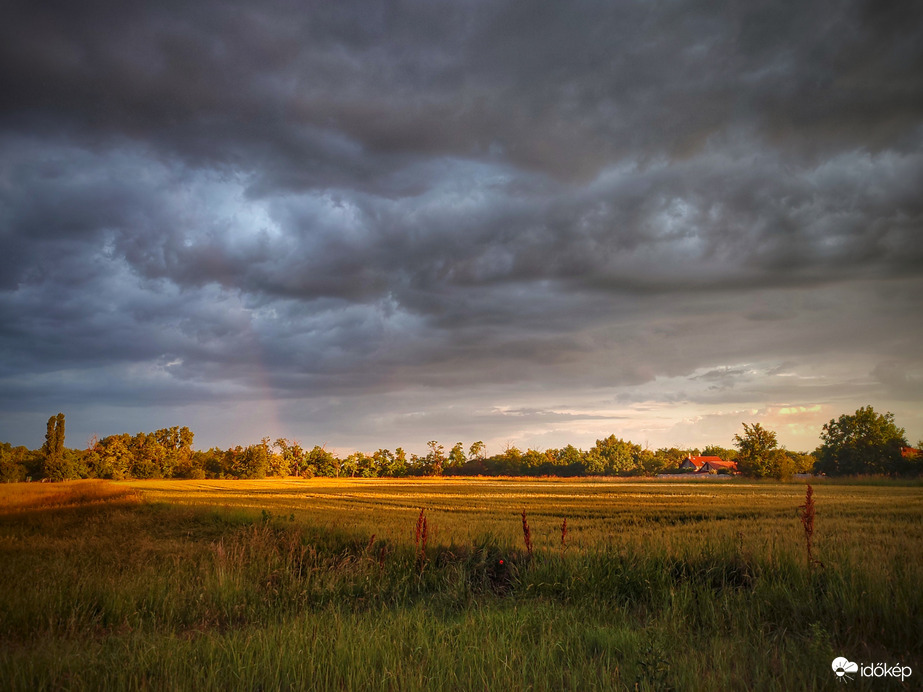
59, 435
613, 456
672, 457
278, 465
435, 460
295, 459
569, 461
866, 442
253, 461
49, 446
759, 455
12, 468
533, 462
509, 462
399, 465
651, 463
457, 456
721, 452
477, 450
114, 456
176, 443
148, 456
801, 463
215, 462
320, 462
56, 466
384, 463
291, 455
358, 464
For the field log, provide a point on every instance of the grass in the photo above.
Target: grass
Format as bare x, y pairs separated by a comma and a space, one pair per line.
320, 584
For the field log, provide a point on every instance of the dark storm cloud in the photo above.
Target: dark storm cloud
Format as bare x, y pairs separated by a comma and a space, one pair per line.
560, 88
291, 200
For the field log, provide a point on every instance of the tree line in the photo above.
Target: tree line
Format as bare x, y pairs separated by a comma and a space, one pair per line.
863, 443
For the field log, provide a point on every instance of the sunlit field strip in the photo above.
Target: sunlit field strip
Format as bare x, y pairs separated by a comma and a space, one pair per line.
599, 512
15, 497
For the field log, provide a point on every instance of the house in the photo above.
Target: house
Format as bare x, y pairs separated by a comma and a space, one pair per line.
909, 452
718, 466
696, 463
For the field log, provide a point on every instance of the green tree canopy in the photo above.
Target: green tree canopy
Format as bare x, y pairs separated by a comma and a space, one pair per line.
477, 450
457, 456
759, 455
722, 452
320, 462
865, 442
434, 462
13, 463
612, 456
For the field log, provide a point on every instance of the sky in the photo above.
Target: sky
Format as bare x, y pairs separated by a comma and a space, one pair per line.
374, 224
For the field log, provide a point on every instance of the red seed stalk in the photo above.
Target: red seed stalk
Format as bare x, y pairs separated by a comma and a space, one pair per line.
526, 533
419, 528
564, 534
424, 534
807, 521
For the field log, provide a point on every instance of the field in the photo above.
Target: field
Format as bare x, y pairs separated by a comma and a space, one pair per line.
335, 584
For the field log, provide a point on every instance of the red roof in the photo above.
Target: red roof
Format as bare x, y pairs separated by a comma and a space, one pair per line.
909, 452
698, 461
721, 464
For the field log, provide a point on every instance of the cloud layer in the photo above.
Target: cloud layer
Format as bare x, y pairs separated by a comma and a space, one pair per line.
530, 222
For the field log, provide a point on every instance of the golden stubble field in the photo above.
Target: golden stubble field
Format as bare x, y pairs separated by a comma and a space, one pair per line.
856, 519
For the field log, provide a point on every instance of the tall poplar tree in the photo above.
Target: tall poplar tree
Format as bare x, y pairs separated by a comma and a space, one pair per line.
48, 447
55, 466
59, 436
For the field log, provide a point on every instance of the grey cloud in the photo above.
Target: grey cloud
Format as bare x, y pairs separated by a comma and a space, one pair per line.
902, 380
261, 201
560, 89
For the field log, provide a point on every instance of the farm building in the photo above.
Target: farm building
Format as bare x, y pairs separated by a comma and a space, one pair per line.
695, 463
706, 464
717, 466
